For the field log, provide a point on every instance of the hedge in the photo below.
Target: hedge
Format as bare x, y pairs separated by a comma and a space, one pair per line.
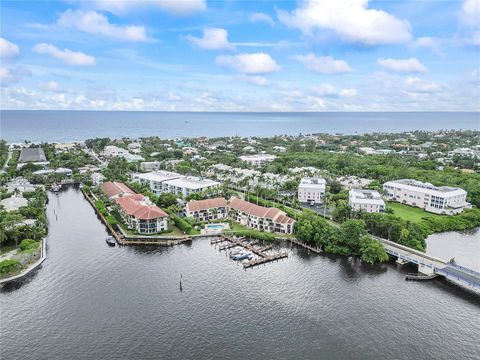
181, 224
7, 266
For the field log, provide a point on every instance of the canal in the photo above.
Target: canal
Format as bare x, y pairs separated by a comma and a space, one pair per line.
90, 301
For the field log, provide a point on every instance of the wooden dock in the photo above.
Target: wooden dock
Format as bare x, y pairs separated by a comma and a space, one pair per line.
315, 249
265, 259
260, 251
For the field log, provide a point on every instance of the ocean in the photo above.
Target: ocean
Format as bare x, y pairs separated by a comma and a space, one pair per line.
64, 126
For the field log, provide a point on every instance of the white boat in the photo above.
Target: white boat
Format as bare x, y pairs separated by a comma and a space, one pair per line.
236, 251
243, 255
56, 187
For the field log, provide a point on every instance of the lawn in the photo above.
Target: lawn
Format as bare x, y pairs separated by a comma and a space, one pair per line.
410, 213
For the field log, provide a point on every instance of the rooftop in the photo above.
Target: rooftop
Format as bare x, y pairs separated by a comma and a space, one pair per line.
157, 176
32, 154
192, 182
197, 205
115, 189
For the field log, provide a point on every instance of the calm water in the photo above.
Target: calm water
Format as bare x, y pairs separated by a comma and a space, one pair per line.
17, 126
90, 301
464, 247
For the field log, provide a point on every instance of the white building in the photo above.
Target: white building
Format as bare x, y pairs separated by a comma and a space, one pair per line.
311, 190
366, 200
115, 151
258, 159
190, 185
150, 165
155, 180
435, 199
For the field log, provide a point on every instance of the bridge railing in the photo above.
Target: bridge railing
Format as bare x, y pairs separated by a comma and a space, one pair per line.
413, 251
449, 275
464, 269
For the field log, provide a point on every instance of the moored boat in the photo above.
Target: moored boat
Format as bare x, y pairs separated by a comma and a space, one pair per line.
110, 241
243, 255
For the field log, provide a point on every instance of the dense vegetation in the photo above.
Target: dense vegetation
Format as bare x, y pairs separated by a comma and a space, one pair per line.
351, 238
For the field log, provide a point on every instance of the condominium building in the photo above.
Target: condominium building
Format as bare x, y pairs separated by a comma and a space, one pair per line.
155, 180
366, 200
207, 210
436, 199
259, 217
311, 190
141, 215
258, 160
190, 185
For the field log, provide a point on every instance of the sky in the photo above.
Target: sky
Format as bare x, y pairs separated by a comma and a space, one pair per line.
202, 55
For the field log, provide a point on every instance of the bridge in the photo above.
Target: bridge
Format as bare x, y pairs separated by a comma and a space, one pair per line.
432, 266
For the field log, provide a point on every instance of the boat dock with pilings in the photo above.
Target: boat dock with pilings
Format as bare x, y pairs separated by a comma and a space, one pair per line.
260, 251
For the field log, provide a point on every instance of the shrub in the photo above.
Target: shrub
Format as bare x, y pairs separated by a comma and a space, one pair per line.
181, 224
99, 204
111, 220
28, 244
7, 266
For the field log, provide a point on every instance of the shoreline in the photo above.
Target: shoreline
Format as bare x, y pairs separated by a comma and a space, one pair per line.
32, 267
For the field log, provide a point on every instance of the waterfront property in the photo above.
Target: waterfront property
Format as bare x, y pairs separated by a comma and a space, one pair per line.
366, 200
311, 190
259, 217
258, 160
207, 210
141, 215
436, 199
116, 189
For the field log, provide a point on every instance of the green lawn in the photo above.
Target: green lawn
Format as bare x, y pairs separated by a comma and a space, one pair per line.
410, 213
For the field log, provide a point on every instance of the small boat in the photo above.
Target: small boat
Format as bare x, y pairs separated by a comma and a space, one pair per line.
110, 241
243, 255
236, 251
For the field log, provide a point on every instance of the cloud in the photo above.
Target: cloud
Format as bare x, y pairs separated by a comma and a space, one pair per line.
324, 64
254, 79
12, 75
256, 63
328, 90
348, 92
261, 17
470, 13
402, 65
417, 85
213, 39
426, 42
124, 7
69, 57
93, 22
8, 50
352, 20
50, 86
474, 39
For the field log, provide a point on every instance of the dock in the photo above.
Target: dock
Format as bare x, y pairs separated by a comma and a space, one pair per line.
314, 249
260, 251
265, 259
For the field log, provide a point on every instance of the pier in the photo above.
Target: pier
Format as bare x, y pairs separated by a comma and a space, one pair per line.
262, 258
314, 249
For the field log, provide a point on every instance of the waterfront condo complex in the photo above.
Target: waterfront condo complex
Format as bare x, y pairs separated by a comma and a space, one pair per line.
436, 199
260, 217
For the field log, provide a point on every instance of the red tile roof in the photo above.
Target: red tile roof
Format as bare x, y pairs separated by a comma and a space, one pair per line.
197, 205
133, 206
273, 214
115, 189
